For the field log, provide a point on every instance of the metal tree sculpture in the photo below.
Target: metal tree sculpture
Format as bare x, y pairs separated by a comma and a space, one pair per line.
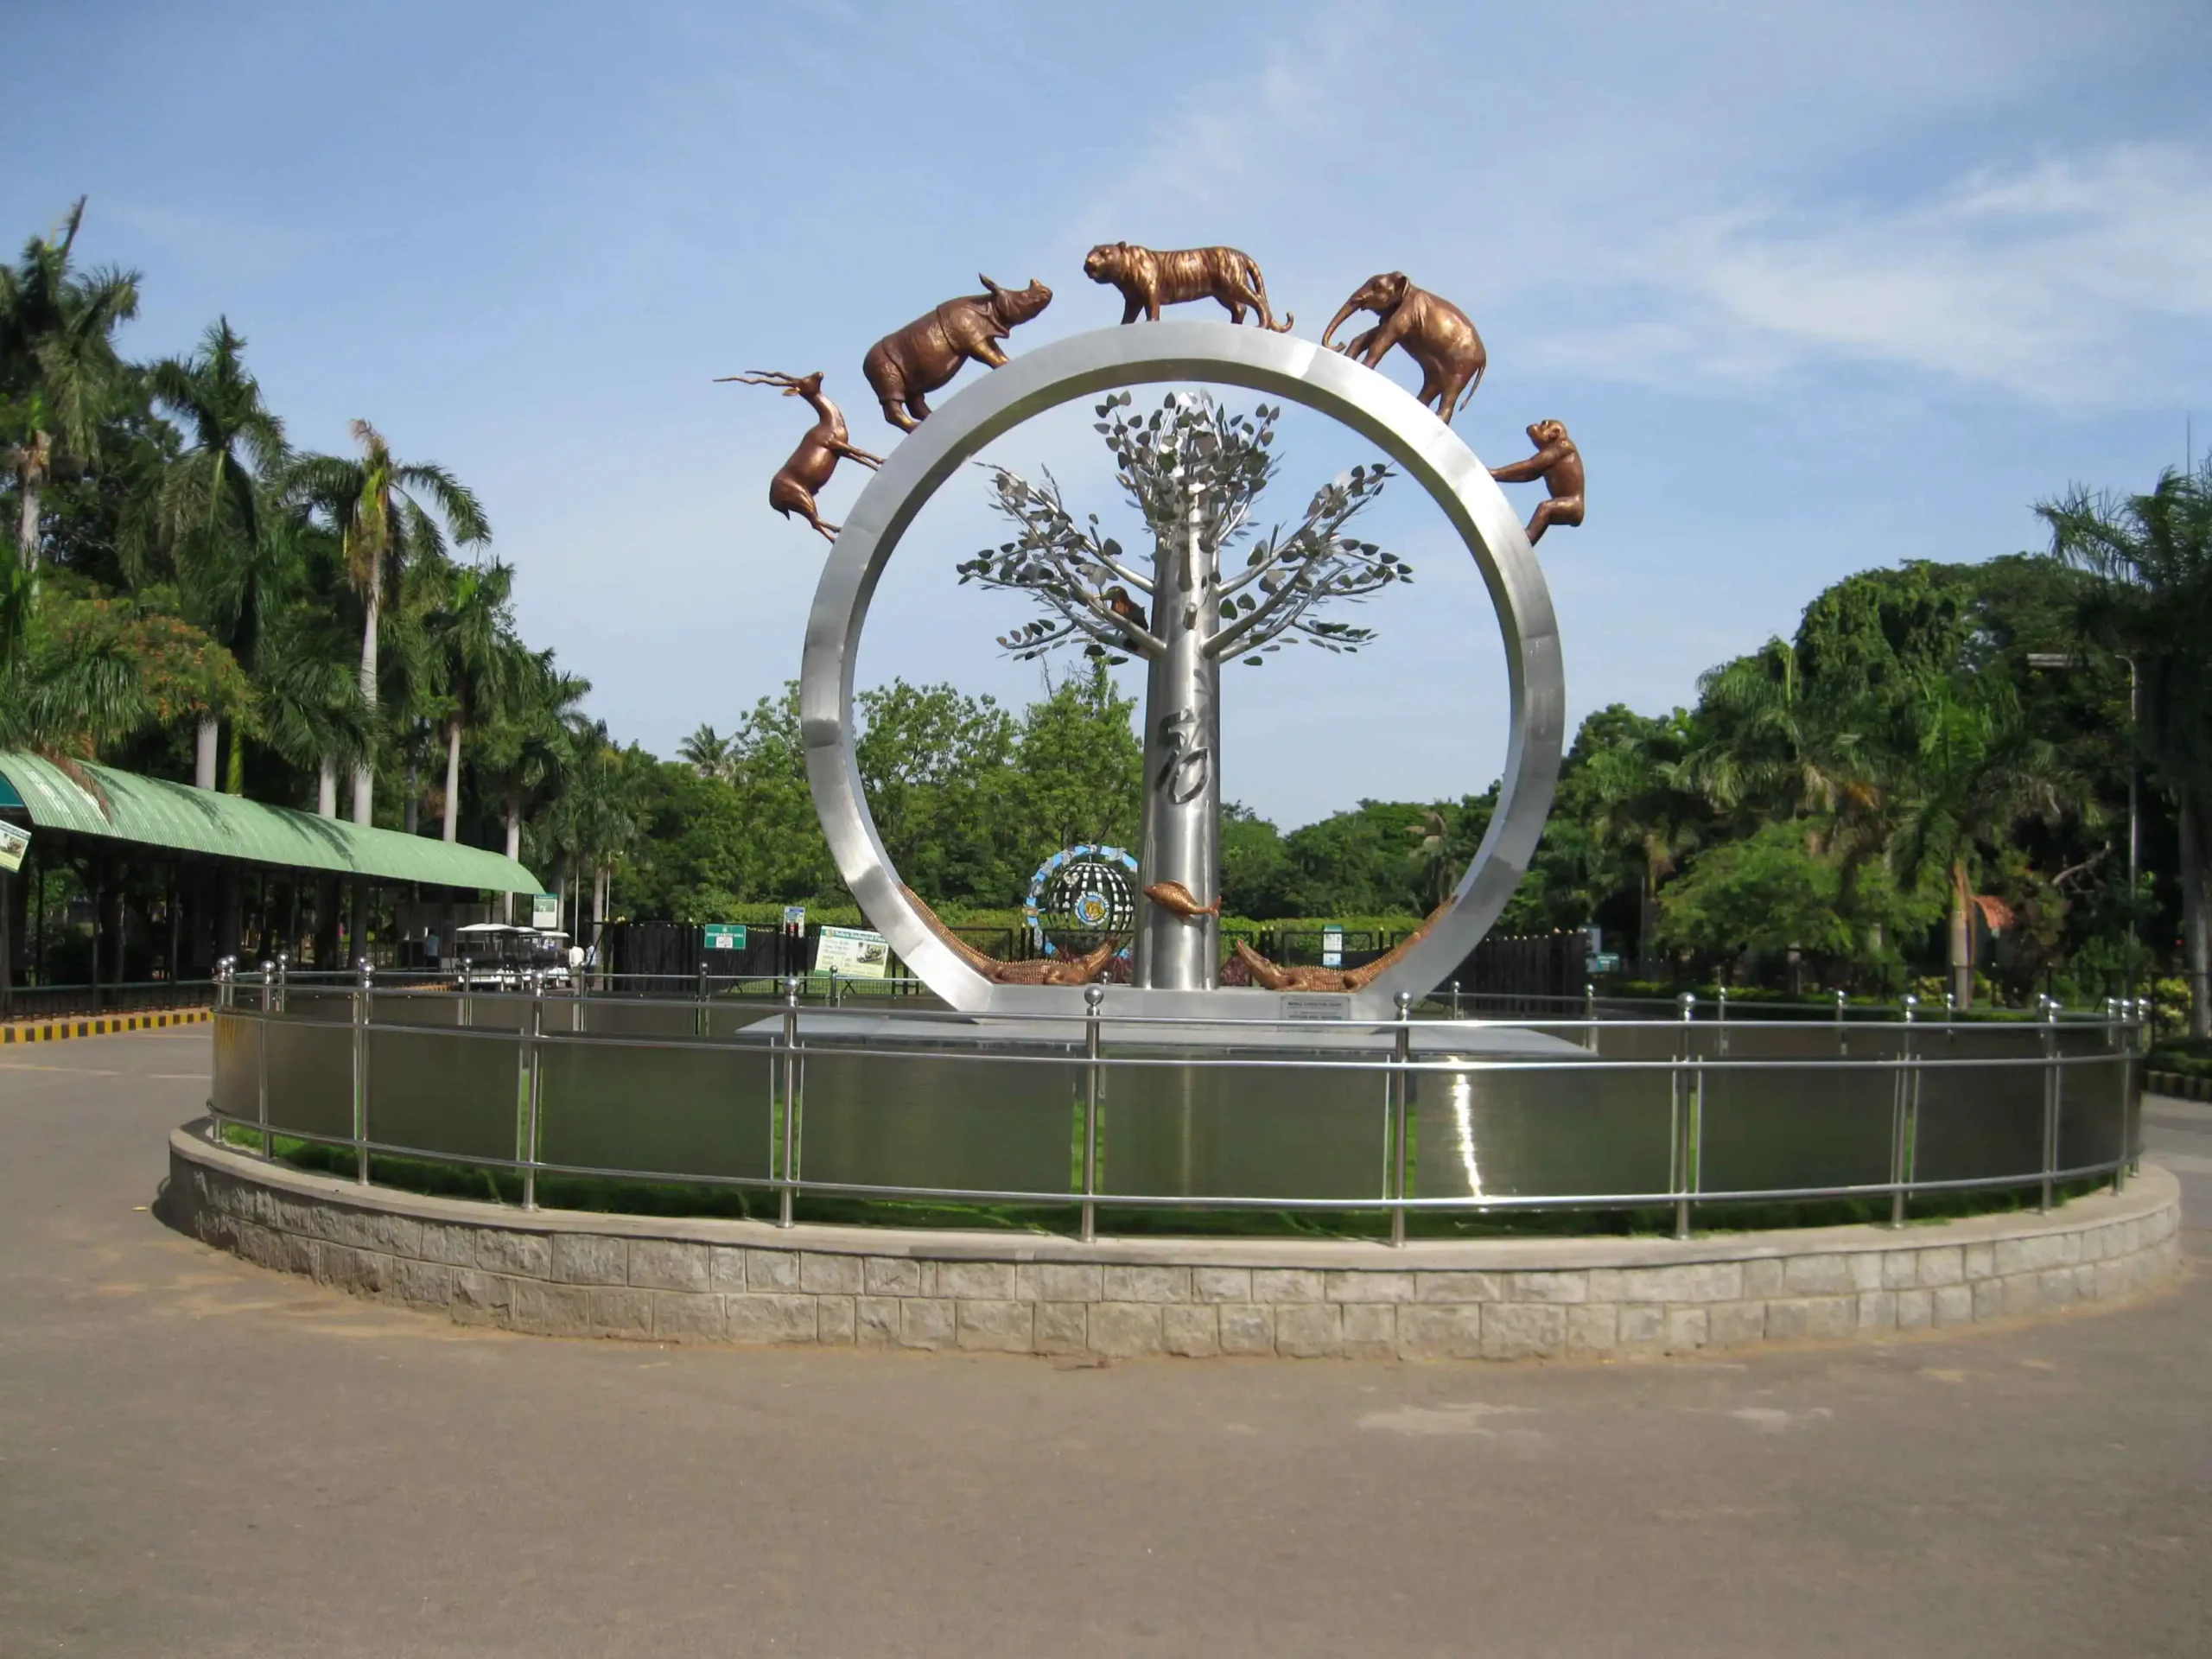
1194, 471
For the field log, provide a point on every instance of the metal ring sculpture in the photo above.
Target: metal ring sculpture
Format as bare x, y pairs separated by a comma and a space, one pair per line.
1222, 354
1105, 902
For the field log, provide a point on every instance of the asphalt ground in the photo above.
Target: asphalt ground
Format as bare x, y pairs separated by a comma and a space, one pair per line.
197, 1457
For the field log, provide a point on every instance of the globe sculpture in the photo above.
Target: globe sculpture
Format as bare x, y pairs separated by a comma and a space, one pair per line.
1080, 897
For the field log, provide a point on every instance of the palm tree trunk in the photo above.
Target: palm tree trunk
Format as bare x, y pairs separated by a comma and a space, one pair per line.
325, 789
1961, 937
2197, 918
514, 850
205, 742
30, 483
1647, 920
235, 782
452, 779
364, 780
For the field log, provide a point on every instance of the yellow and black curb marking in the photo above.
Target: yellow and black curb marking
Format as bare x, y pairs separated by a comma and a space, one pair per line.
55, 1031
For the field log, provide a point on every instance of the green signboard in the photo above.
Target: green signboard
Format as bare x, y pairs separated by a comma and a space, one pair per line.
544, 909
725, 936
14, 844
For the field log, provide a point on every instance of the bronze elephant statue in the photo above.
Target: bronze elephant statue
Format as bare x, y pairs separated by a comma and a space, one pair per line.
1434, 333
928, 352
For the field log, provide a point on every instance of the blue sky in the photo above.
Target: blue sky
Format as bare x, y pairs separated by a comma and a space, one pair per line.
1816, 287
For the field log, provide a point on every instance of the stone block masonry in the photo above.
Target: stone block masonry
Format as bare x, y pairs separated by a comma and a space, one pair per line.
649, 1279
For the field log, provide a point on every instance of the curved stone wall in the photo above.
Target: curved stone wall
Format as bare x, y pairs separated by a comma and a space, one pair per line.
651, 1279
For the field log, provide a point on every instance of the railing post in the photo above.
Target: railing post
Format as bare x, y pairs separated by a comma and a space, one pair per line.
1094, 997
261, 1088
528, 1070
699, 1017
2050, 1099
788, 1162
1401, 1087
283, 981
1455, 999
1688, 1100
364, 1010
1904, 1115
2124, 1034
1720, 1037
1590, 1015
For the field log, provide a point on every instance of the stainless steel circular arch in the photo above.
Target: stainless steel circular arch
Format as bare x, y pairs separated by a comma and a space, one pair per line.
1222, 354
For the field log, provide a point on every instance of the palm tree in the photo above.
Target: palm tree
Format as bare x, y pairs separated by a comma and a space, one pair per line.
372, 503
527, 753
2152, 557
57, 365
471, 637
1644, 802
707, 752
1432, 852
1975, 773
212, 509
311, 710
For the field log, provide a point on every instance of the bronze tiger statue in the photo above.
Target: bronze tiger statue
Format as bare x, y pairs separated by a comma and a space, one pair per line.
1150, 278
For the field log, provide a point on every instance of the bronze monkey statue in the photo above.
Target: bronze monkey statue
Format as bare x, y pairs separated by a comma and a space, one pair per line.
1559, 463
1432, 331
1149, 278
827, 442
928, 352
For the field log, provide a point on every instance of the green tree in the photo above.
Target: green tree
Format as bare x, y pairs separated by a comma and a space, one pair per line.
475, 662
58, 365
1078, 769
2150, 559
1976, 772
385, 513
212, 512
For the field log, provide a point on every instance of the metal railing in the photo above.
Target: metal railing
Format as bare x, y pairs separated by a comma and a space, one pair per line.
1096, 1110
34, 1002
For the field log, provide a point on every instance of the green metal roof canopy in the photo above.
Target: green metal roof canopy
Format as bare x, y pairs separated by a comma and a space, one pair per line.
155, 813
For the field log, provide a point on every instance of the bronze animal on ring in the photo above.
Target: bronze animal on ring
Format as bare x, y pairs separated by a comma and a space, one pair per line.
1150, 278
1559, 463
793, 488
1039, 970
1431, 331
1178, 900
1277, 978
928, 352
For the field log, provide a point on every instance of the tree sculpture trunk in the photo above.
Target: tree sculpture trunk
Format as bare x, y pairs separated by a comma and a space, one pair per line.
1961, 936
453, 779
1182, 775
2196, 919
205, 744
364, 780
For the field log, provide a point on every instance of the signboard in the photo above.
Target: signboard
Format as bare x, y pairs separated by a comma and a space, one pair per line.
14, 844
1333, 947
1316, 1007
1605, 962
852, 953
544, 909
794, 918
725, 936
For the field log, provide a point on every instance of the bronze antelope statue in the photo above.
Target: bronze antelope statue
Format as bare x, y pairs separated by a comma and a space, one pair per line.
793, 488
928, 352
1149, 278
1432, 331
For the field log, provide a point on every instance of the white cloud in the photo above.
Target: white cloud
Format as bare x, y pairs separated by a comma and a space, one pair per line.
2041, 281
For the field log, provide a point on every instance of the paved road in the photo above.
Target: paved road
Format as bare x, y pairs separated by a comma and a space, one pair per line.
199, 1458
